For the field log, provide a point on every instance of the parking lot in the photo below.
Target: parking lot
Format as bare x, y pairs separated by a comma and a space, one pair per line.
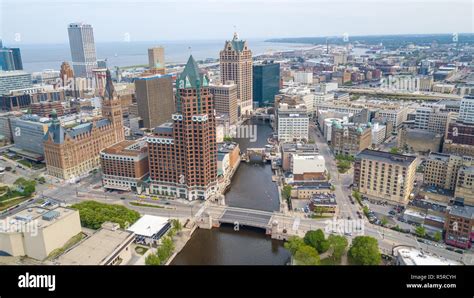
391, 214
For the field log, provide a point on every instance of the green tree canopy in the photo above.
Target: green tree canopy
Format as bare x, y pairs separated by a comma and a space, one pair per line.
317, 240
93, 214
420, 231
293, 244
307, 255
286, 191
364, 251
152, 259
338, 244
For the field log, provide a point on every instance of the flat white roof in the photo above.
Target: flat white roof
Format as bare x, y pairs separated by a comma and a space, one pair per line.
412, 256
148, 225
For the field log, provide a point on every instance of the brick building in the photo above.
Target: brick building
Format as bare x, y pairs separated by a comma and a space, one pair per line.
183, 153
74, 152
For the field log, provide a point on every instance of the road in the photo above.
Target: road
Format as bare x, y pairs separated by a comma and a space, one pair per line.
340, 181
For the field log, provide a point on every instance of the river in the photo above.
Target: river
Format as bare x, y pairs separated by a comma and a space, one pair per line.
252, 187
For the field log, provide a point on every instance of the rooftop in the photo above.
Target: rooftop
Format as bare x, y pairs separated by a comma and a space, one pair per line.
127, 147
39, 216
148, 225
97, 248
413, 256
465, 211
404, 160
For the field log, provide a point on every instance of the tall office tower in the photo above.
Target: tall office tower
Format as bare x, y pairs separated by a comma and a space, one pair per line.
10, 58
156, 57
266, 83
81, 42
236, 65
225, 100
154, 99
183, 153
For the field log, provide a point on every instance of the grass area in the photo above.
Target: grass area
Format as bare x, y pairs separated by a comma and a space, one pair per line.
70, 243
25, 163
145, 205
141, 250
11, 203
320, 216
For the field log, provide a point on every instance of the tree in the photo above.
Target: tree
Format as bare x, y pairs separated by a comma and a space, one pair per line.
420, 231
228, 139
93, 214
286, 191
364, 251
307, 255
317, 240
177, 226
338, 244
384, 221
437, 236
152, 259
293, 244
394, 150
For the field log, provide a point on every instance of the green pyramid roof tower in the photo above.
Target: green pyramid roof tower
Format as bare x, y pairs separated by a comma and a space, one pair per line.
191, 76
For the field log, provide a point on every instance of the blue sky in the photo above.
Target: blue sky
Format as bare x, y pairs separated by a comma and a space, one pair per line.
35, 21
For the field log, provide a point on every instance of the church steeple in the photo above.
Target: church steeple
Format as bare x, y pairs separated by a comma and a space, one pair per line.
109, 92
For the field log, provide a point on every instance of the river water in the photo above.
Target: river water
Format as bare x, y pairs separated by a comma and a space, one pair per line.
252, 187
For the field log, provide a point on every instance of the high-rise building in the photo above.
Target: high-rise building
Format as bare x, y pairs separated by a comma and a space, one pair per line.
183, 153
225, 100
385, 176
154, 99
74, 152
81, 42
156, 58
236, 65
266, 83
10, 59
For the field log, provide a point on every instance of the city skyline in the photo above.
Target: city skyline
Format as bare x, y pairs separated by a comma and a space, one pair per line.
125, 22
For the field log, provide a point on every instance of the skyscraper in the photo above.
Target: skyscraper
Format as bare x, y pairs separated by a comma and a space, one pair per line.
156, 57
10, 58
81, 42
225, 100
266, 83
183, 153
154, 99
236, 65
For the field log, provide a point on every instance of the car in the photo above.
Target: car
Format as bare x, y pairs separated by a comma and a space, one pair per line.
391, 212
449, 248
349, 217
167, 203
348, 234
459, 251
123, 198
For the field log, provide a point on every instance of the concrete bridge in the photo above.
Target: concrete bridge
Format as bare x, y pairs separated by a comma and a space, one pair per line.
276, 224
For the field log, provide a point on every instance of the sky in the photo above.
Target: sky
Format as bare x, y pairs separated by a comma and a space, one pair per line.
36, 21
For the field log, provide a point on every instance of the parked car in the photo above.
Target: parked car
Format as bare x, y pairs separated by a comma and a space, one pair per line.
459, 251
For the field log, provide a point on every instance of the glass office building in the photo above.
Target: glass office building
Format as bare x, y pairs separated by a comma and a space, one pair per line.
266, 83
